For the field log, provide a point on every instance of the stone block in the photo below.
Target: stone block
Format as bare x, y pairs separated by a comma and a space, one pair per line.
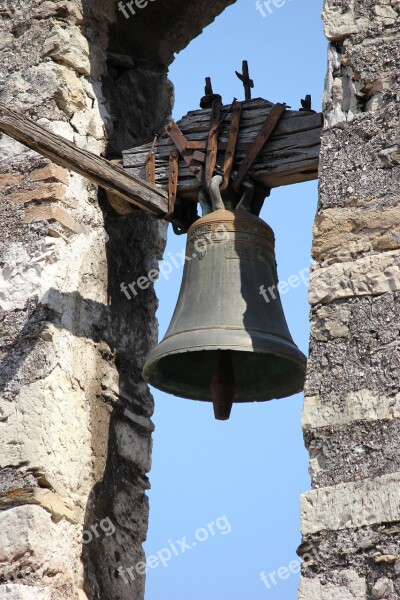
348, 586
363, 405
25, 592
353, 452
28, 532
53, 213
365, 357
342, 233
330, 322
368, 276
44, 192
50, 172
10, 179
69, 47
132, 446
351, 505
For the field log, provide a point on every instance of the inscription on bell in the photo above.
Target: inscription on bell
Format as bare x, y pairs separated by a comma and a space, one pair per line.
243, 251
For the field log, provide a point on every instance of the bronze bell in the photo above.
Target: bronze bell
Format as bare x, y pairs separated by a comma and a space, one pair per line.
227, 341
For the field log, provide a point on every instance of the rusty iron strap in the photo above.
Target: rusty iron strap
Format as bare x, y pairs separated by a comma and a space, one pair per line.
151, 163
182, 144
172, 181
232, 143
212, 144
262, 137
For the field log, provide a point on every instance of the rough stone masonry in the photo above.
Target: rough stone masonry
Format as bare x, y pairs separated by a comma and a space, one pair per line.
74, 413
75, 423
351, 519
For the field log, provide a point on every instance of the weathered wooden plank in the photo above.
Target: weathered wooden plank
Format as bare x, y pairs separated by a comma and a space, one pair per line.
251, 113
290, 156
285, 161
289, 124
260, 140
109, 176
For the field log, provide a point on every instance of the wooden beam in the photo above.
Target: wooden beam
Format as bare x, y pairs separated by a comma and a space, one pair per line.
290, 156
109, 176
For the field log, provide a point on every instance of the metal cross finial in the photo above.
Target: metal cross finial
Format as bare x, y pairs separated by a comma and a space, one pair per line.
306, 104
244, 77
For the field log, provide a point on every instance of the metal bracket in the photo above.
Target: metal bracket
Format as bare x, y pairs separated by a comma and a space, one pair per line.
212, 144
172, 181
151, 163
232, 143
183, 146
263, 136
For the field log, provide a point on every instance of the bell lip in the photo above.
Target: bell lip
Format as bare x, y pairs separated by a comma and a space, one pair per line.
271, 346
265, 343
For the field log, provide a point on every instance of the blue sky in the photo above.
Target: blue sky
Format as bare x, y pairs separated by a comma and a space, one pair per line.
253, 468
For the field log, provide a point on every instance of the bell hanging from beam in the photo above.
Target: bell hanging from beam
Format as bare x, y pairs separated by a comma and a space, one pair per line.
228, 340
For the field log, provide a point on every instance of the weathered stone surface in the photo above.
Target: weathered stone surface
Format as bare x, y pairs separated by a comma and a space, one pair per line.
371, 552
133, 447
137, 517
68, 46
50, 172
342, 233
351, 505
366, 359
62, 406
368, 276
53, 213
331, 321
23, 592
12, 479
32, 539
10, 179
341, 21
45, 191
348, 586
363, 58
362, 405
383, 588
48, 500
70, 94
177, 25
351, 411
354, 169
360, 450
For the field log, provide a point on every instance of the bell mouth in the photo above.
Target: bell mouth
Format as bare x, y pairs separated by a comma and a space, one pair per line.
264, 369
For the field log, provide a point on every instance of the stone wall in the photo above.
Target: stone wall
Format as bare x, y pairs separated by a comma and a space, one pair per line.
74, 412
351, 418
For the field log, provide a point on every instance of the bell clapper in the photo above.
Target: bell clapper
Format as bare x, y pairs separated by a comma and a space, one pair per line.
223, 385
